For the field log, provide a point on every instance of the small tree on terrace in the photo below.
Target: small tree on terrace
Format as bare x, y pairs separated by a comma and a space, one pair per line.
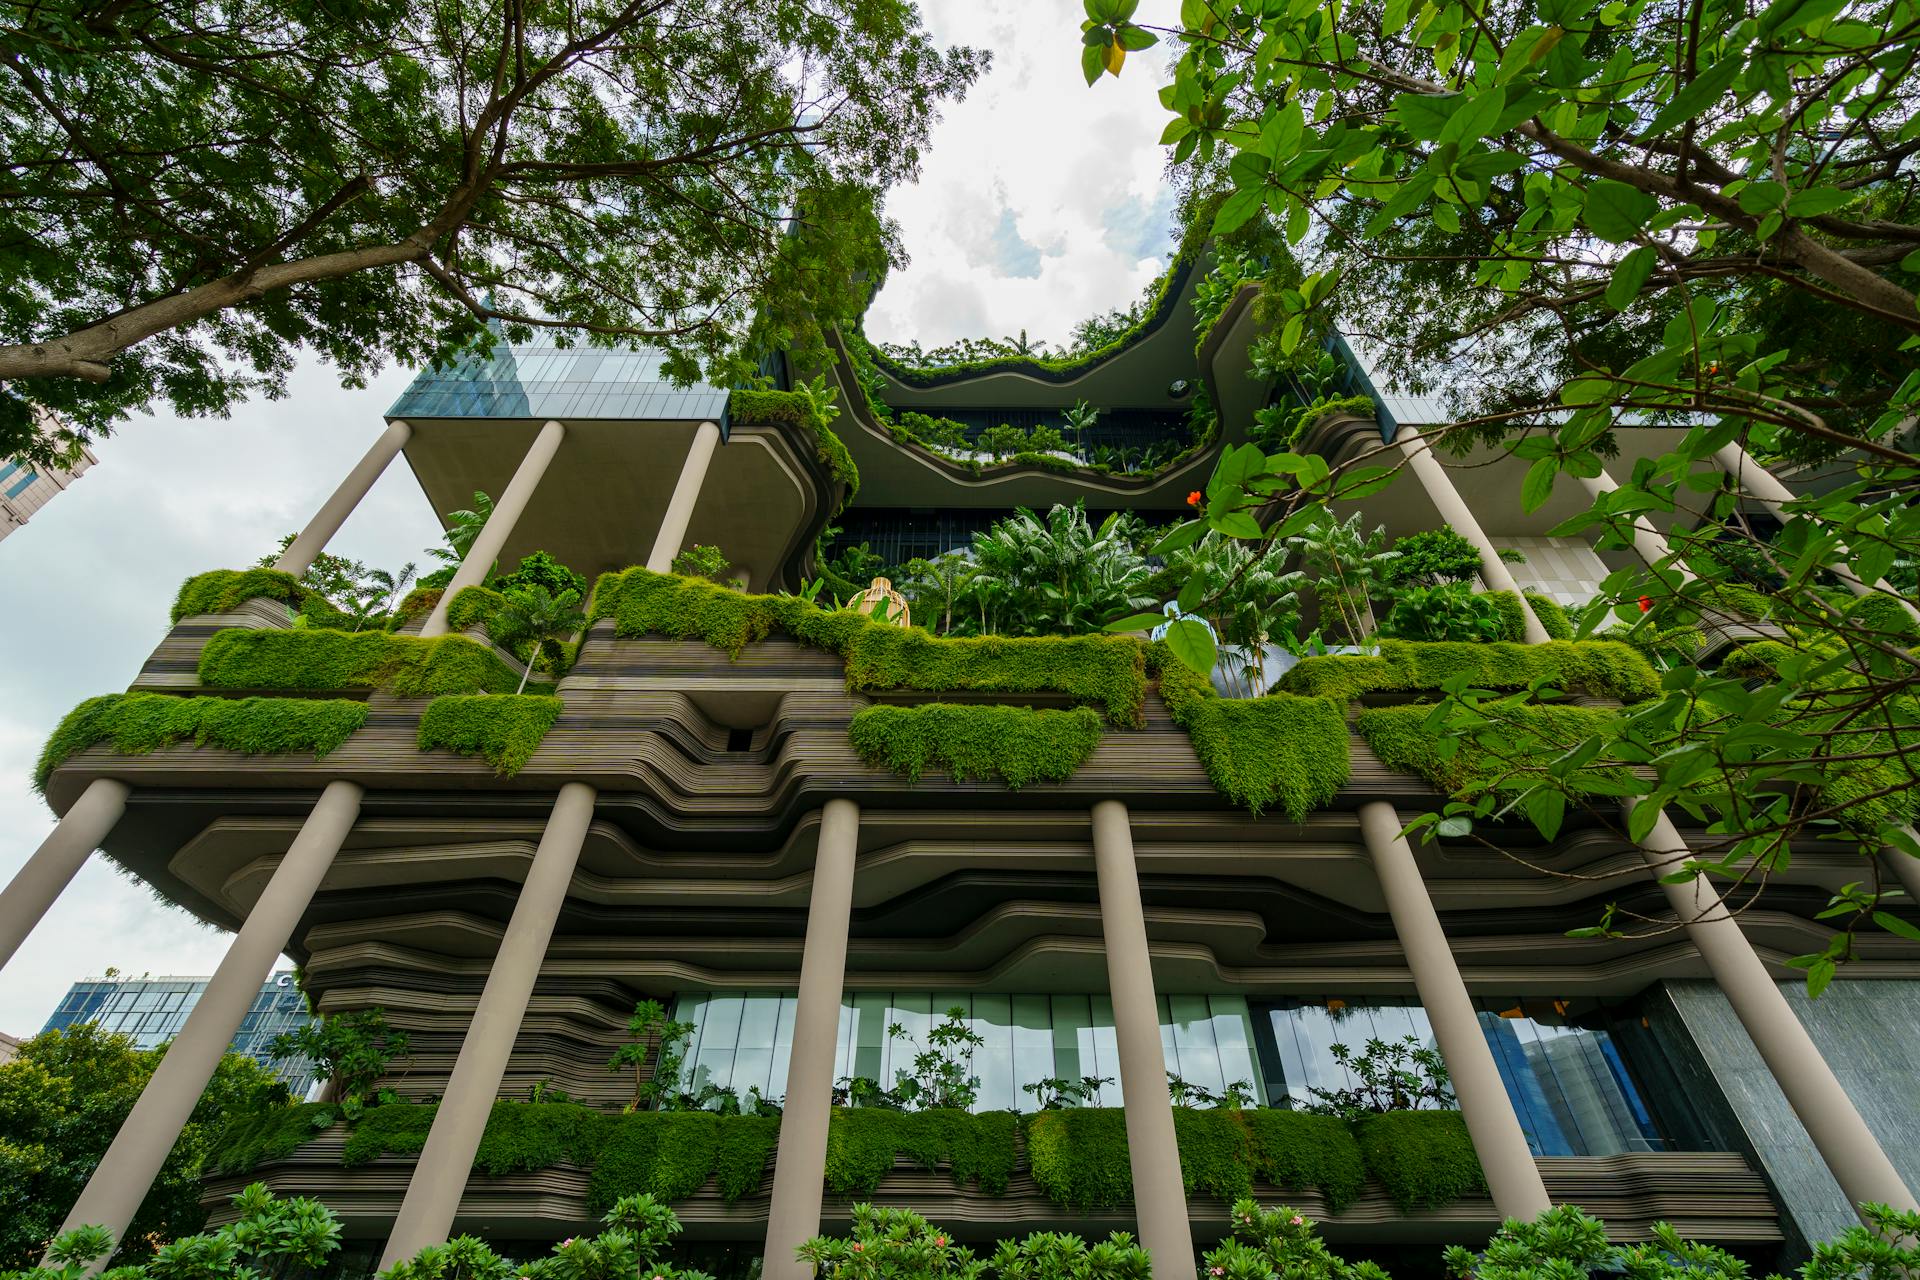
534, 615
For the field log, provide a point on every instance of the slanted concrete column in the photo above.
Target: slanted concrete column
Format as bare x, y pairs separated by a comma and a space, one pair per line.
1497, 1137
1453, 509
305, 549
1856, 1159
37, 885
499, 526
1905, 867
120, 1182
1761, 484
1646, 539
440, 1175
794, 1216
1159, 1195
669, 542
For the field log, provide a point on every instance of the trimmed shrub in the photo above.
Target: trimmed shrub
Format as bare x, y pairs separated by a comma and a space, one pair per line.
671, 1154
1602, 668
1280, 751
139, 723
1079, 1157
505, 729
1017, 745
1424, 1159
417, 603
1552, 616
758, 408
407, 666
1296, 1149
1402, 740
1104, 671
224, 590
521, 1137
863, 1142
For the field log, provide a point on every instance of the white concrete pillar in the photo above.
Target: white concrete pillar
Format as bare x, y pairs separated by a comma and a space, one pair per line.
1159, 1192
1905, 867
1761, 484
1647, 541
671, 539
499, 527
1498, 1140
440, 1175
794, 1216
305, 549
124, 1175
38, 885
1849, 1148
1453, 510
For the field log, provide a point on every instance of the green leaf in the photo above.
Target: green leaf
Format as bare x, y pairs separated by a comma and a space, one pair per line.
1818, 200
1453, 828
1093, 60
1193, 644
1894, 924
1704, 90
1133, 39
1616, 211
1236, 209
1538, 486
1425, 115
1761, 196
1476, 119
1290, 335
1182, 537
1629, 276
1136, 622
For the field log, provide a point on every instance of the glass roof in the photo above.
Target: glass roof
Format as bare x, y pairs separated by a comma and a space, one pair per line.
539, 380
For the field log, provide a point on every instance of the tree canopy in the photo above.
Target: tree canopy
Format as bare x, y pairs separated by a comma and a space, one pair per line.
193, 191
1572, 219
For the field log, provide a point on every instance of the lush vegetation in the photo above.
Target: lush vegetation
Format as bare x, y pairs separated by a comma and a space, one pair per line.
350, 1050
1280, 751
138, 723
224, 590
1014, 745
505, 730
899, 1244
1601, 668
61, 1102
1101, 671
747, 408
403, 665
1413, 739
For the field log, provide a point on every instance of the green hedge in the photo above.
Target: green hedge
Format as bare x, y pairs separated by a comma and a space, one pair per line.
224, 590
1281, 751
255, 1137
398, 1129
1080, 1158
1400, 737
1424, 1159
407, 666
758, 408
1104, 671
504, 728
671, 1154
863, 1143
1015, 745
1552, 617
1603, 668
139, 723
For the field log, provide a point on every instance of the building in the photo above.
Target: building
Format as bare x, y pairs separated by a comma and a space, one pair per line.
151, 1012
695, 825
25, 489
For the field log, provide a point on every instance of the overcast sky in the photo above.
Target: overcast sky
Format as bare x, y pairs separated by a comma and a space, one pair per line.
1041, 203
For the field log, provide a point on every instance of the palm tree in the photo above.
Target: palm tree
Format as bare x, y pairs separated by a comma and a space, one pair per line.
1059, 575
1347, 566
373, 592
537, 615
462, 528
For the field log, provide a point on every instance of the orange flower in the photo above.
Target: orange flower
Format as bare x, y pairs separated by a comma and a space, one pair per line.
1193, 499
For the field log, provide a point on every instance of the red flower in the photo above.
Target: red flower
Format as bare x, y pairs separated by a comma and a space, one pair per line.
1646, 604
1193, 499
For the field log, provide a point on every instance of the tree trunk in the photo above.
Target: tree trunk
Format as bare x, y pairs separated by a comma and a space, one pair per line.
531, 659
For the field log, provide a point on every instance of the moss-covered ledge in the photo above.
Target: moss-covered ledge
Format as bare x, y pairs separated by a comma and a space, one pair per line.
1283, 751
1014, 745
406, 666
1601, 668
140, 723
224, 590
1108, 672
1078, 1157
504, 729
765, 408
1532, 737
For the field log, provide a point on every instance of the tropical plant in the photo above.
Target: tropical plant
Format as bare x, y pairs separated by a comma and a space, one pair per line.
699, 561
1046, 440
1079, 419
1451, 611
1059, 576
1243, 593
1563, 1241
532, 615
1057, 1255
353, 1050
1280, 1244
934, 588
1001, 440
1388, 1075
463, 527
1348, 566
1056, 1093
531, 168
1434, 557
64, 1098
890, 1244
540, 569
1185, 1093
942, 1071
637, 1241
822, 397
268, 1237
660, 1041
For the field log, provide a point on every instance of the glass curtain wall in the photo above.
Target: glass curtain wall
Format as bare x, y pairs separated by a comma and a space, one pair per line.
742, 1040
1567, 1081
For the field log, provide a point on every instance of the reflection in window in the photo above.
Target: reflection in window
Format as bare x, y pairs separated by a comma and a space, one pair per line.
742, 1039
1567, 1082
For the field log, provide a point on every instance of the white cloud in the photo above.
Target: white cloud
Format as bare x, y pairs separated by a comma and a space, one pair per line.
85, 587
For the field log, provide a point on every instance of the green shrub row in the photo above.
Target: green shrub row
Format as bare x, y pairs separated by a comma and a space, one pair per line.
1015, 745
1553, 618
1281, 751
139, 723
1401, 739
505, 729
1602, 668
759, 408
1080, 1158
407, 666
224, 590
1104, 671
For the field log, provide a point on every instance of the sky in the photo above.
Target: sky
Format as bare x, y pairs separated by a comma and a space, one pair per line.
1041, 202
